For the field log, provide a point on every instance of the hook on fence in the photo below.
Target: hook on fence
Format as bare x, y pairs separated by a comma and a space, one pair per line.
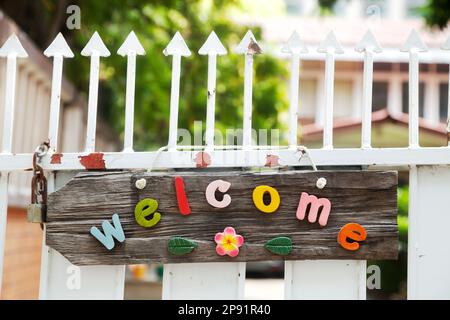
321, 182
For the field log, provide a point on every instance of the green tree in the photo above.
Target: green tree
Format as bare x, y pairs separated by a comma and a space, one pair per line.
435, 12
155, 22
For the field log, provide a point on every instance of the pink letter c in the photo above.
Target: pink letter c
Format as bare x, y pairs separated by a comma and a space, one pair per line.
222, 186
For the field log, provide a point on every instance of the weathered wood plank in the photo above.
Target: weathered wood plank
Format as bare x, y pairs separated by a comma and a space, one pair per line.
365, 197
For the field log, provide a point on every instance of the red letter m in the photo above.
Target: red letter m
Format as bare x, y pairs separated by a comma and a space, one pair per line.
316, 204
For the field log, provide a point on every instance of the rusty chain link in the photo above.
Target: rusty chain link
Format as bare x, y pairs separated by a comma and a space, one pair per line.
39, 181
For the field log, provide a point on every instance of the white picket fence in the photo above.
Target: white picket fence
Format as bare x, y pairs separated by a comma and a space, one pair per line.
429, 219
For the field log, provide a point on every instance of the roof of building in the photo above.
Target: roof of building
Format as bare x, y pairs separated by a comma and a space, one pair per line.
313, 133
391, 34
41, 65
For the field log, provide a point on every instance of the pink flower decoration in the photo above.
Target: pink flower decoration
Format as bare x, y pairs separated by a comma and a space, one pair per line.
228, 242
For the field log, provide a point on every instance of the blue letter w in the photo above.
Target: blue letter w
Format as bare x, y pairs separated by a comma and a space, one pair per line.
110, 232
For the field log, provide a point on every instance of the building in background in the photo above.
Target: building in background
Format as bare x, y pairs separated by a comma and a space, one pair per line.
391, 22
34, 76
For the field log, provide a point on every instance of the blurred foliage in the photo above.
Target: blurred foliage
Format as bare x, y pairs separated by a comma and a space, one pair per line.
326, 6
436, 13
402, 218
155, 22
394, 273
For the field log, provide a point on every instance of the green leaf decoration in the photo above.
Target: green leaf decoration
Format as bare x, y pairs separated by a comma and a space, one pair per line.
281, 246
179, 246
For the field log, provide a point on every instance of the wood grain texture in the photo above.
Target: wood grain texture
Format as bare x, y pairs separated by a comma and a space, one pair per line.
365, 197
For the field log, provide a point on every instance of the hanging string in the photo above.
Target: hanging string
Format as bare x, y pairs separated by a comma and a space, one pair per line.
158, 152
321, 182
304, 151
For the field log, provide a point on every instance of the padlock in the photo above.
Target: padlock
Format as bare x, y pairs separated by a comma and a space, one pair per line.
36, 212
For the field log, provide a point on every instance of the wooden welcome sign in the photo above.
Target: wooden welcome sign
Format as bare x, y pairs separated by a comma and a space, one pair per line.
127, 217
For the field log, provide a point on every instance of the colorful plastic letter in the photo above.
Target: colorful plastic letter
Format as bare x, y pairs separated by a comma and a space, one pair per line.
315, 203
258, 199
183, 203
354, 232
109, 232
210, 193
143, 209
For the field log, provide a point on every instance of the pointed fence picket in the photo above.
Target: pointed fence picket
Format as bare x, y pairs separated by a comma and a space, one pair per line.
303, 279
413, 45
59, 50
330, 46
12, 49
249, 47
94, 49
176, 48
130, 48
368, 45
212, 48
294, 47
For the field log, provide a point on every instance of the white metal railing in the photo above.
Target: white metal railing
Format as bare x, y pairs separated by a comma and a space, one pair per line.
221, 156
177, 48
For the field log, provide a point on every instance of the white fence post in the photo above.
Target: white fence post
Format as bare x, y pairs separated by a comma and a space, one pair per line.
209, 281
428, 236
11, 49
325, 279
3, 220
61, 280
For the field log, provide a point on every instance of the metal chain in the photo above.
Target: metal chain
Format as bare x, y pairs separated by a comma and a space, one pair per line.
39, 181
